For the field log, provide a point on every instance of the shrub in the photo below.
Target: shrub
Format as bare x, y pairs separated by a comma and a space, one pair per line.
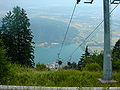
5, 65
41, 67
92, 67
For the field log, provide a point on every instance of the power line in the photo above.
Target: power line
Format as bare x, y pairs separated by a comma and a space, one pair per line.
92, 32
67, 30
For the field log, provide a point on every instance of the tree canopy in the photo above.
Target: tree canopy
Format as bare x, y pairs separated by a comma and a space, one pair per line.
116, 56
18, 37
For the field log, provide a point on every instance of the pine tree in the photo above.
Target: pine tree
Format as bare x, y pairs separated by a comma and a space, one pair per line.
116, 56
116, 50
18, 37
83, 59
87, 54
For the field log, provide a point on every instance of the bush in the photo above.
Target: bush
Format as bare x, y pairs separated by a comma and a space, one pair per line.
5, 65
41, 67
92, 67
116, 65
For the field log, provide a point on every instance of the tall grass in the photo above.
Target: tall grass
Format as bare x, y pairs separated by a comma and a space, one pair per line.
64, 78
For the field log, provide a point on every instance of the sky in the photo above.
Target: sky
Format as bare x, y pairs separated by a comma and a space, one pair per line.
6, 5
41, 3
29, 5
50, 8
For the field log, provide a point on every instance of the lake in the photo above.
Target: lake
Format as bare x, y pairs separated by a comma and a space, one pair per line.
47, 55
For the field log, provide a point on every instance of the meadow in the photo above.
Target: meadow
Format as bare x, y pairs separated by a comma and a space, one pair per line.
24, 76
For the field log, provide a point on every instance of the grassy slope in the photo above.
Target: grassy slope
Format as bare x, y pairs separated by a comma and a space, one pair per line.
63, 78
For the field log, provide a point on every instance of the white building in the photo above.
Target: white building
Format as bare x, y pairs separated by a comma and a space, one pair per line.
54, 66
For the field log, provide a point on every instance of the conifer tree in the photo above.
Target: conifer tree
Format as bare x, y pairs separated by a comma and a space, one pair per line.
116, 50
83, 59
116, 56
87, 54
18, 37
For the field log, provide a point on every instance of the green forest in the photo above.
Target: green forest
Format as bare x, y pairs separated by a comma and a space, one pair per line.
17, 65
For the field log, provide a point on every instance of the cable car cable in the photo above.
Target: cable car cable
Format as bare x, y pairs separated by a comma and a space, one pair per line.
92, 32
67, 29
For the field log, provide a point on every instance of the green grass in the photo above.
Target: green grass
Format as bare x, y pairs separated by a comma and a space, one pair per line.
63, 78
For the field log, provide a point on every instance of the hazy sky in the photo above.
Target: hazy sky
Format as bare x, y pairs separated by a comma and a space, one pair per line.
48, 7
42, 3
52, 6
33, 4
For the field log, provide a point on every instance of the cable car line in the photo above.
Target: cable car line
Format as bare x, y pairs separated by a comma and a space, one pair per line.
85, 38
114, 8
67, 30
92, 32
